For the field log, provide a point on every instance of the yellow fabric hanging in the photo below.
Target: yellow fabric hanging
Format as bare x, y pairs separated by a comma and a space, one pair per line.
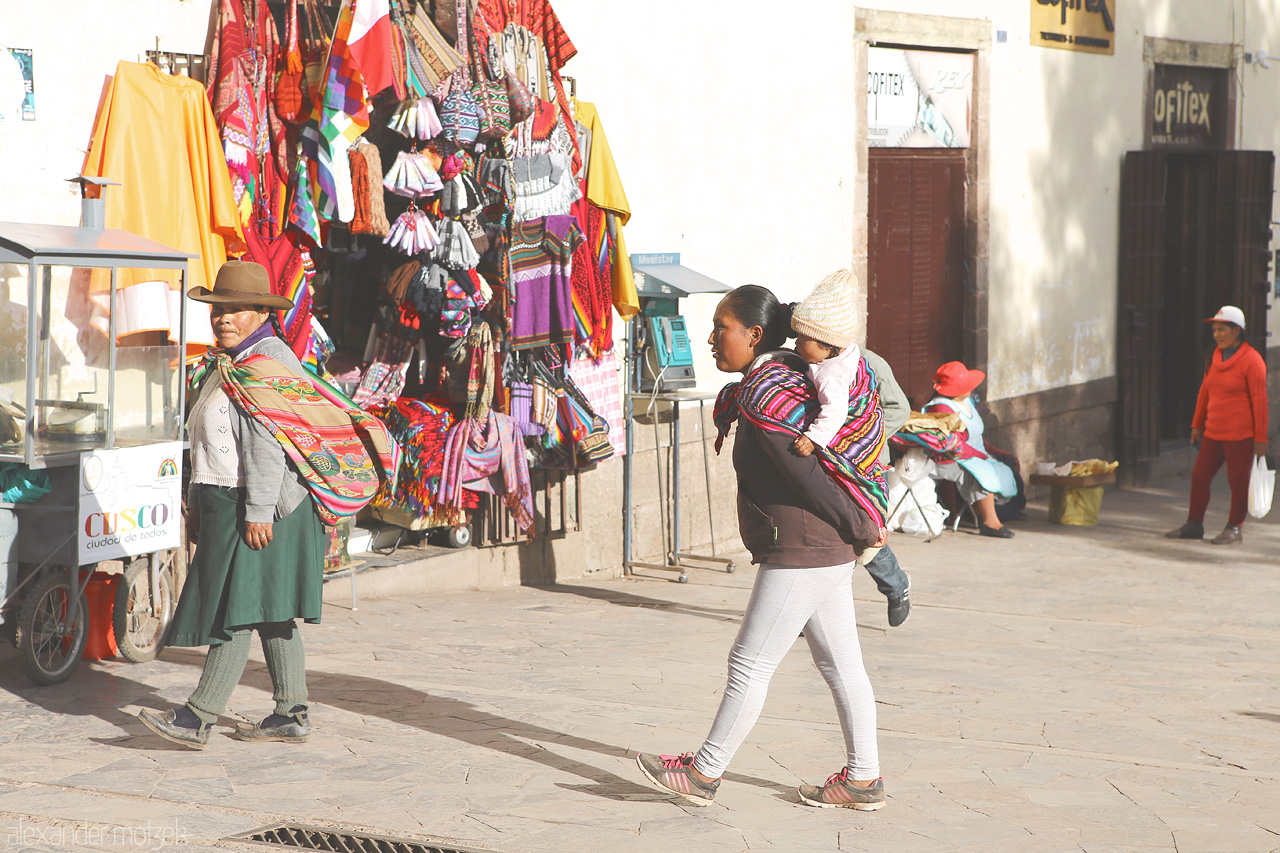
625, 299
604, 190
156, 135
604, 185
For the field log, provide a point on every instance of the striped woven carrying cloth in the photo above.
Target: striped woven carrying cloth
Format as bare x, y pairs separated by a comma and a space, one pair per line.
779, 397
341, 451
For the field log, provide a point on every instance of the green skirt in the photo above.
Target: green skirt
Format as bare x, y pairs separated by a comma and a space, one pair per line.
230, 586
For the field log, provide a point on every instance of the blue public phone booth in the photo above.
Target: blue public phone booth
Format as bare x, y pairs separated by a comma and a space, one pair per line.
662, 349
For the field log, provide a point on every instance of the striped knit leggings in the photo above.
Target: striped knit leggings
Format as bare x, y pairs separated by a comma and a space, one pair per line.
225, 663
784, 602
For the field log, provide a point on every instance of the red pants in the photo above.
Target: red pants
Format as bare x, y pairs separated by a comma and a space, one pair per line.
1239, 458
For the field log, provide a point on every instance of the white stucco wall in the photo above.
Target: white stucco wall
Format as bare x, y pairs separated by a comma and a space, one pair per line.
76, 44
710, 110
733, 136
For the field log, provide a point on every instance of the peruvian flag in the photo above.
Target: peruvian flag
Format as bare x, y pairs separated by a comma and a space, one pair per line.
370, 43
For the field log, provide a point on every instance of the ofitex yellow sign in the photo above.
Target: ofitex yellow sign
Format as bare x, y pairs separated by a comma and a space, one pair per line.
1085, 25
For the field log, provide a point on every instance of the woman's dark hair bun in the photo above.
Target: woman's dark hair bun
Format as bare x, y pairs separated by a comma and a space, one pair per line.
754, 305
789, 310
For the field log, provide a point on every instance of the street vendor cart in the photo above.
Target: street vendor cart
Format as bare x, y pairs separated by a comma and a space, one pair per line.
91, 426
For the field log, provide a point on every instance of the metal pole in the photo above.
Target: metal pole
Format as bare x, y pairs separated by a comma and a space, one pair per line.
627, 413
46, 297
111, 366
675, 482
29, 434
662, 493
182, 352
706, 473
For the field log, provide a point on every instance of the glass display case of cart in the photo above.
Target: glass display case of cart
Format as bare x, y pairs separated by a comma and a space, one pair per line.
88, 355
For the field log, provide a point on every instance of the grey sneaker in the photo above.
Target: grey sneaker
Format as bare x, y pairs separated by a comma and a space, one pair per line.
840, 793
1230, 535
672, 773
1190, 530
295, 728
900, 606
176, 726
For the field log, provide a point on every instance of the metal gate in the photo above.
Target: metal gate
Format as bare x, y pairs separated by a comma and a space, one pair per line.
1239, 236
916, 274
1242, 235
1140, 284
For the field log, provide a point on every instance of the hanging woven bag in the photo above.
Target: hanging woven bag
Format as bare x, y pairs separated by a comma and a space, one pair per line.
289, 93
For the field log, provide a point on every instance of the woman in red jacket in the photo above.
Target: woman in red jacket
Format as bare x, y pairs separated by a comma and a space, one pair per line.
1230, 425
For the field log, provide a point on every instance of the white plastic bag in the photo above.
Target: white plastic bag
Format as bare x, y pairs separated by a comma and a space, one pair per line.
1262, 485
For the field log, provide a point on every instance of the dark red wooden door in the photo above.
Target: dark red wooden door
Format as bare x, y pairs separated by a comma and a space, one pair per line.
916, 274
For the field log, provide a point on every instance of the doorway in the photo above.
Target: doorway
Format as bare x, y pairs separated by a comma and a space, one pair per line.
1195, 231
1190, 293
916, 272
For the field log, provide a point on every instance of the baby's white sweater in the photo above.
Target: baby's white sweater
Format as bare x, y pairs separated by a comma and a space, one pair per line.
833, 377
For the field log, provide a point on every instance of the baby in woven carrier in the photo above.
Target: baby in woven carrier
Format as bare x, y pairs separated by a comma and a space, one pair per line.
824, 326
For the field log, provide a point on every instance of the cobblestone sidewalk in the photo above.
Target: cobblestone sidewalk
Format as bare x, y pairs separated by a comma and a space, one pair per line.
1099, 690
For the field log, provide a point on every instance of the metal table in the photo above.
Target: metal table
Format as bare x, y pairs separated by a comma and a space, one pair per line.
674, 556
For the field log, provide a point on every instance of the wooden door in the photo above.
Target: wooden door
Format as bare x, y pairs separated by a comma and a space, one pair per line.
1140, 300
1242, 237
916, 275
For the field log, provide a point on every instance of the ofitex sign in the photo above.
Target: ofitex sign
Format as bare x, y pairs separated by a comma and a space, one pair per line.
1188, 107
1084, 25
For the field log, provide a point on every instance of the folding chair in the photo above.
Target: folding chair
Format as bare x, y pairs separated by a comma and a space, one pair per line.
911, 494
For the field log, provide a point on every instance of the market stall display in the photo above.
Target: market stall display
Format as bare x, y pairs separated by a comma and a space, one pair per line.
456, 199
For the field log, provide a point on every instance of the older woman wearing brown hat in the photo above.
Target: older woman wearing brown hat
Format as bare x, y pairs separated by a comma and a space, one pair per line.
260, 559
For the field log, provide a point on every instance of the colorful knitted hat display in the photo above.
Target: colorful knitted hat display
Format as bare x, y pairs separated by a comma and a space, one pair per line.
828, 314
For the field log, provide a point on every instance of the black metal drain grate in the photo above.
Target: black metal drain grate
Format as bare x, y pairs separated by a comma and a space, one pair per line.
295, 837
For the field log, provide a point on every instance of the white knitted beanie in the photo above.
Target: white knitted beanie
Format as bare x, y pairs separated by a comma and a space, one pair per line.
828, 313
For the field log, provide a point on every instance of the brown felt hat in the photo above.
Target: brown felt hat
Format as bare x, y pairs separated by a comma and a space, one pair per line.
242, 282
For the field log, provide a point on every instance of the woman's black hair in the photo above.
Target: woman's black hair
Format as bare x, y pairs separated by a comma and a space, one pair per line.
274, 319
754, 305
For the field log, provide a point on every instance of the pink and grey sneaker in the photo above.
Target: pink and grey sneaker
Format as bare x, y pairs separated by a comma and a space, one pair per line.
672, 773
840, 793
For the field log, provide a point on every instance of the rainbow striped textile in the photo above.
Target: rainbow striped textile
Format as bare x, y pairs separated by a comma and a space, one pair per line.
341, 451
344, 117
778, 396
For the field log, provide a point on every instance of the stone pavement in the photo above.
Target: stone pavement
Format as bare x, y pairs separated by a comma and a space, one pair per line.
1075, 689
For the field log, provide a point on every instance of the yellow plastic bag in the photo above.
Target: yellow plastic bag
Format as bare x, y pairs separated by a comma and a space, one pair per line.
1080, 507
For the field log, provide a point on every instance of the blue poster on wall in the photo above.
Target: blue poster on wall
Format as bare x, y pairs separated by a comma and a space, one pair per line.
17, 84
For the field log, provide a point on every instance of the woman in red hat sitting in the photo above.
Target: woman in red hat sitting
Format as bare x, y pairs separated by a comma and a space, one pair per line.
978, 476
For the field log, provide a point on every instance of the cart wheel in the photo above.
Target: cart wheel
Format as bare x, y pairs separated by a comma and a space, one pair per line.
682, 579
459, 537
141, 623
49, 648
731, 568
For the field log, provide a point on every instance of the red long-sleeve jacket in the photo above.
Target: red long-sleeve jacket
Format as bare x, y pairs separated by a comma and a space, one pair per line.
1233, 397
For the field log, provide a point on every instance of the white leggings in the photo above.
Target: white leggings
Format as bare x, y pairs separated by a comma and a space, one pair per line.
784, 602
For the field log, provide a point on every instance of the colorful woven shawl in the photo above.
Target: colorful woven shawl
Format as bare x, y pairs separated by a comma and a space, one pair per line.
780, 398
592, 278
341, 451
242, 71
421, 428
476, 451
